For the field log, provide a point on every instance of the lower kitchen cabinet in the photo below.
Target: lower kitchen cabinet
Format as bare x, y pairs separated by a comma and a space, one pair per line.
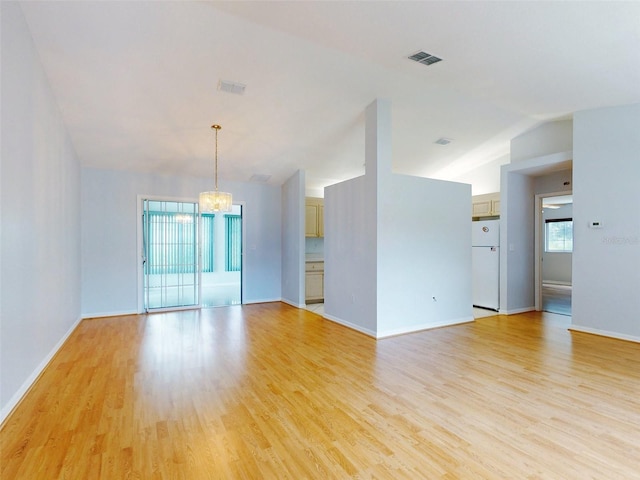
314, 282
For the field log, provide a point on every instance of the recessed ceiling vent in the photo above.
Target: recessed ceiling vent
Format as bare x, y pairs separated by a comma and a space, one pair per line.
443, 141
425, 58
259, 178
231, 87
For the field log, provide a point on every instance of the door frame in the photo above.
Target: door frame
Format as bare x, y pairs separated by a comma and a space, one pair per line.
244, 248
539, 242
140, 250
242, 205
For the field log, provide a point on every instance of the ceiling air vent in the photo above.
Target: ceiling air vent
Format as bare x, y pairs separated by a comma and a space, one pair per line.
259, 178
443, 141
231, 87
425, 58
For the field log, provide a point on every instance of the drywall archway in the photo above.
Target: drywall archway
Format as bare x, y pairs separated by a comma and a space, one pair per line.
517, 227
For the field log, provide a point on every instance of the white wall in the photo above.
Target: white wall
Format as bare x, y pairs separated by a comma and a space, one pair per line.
293, 243
314, 192
110, 255
424, 251
606, 262
350, 256
391, 240
486, 178
560, 181
546, 139
40, 217
351, 231
556, 266
516, 242
520, 182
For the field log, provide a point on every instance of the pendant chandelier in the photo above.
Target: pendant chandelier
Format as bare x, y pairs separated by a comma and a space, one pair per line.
215, 201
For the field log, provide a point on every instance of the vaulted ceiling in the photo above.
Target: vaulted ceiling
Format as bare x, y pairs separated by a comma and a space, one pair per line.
137, 82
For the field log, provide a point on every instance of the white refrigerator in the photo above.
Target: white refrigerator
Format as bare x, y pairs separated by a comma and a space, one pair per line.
485, 263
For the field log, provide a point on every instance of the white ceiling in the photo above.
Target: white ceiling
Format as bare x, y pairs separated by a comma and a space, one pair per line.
137, 81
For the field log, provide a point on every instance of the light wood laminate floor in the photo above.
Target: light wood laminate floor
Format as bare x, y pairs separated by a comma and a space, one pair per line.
271, 391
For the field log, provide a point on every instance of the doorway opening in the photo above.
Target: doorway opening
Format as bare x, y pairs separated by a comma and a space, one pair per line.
189, 260
555, 247
222, 247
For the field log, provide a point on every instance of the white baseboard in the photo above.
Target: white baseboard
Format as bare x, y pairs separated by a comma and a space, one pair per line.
293, 304
350, 325
425, 326
604, 333
265, 300
517, 310
15, 399
399, 331
109, 314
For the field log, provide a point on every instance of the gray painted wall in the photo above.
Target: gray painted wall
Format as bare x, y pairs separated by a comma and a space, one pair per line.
293, 241
520, 182
424, 251
606, 262
392, 242
486, 178
516, 241
110, 255
350, 256
546, 139
40, 217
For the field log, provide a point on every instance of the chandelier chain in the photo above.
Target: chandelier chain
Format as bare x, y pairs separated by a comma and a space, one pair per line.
215, 201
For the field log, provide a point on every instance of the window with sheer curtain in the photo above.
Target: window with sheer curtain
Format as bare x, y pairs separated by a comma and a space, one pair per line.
208, 243
171, 245
233, 243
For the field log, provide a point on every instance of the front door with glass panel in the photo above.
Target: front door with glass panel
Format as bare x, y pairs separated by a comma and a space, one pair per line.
170, 258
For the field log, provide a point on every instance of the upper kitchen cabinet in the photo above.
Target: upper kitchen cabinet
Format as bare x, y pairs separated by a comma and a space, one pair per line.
314, 217
487, 205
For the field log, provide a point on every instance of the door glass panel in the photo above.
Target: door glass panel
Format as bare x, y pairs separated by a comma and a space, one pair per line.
170, 238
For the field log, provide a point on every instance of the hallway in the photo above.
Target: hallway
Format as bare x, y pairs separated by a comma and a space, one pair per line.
556, 299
